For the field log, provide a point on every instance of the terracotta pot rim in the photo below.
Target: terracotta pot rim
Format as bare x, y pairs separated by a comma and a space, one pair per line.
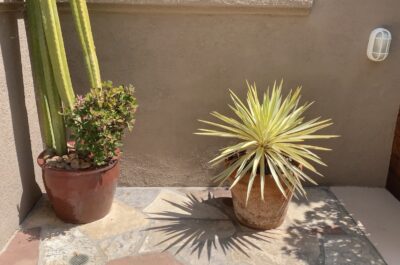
80, 172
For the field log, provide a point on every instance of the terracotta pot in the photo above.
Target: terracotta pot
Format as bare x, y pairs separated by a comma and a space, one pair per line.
258, 214
80, 196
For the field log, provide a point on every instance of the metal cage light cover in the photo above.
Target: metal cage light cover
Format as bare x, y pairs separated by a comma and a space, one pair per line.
379, 44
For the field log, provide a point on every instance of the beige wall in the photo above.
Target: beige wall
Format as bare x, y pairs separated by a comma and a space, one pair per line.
18, 189
183, 64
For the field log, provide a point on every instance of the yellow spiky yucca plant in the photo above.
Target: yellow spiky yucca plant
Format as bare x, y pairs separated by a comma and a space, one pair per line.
271, 135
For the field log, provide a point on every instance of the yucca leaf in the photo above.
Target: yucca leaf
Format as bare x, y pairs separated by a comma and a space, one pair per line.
225, 154
234, 123
259, 154
275, 176
224, 175
228, 128
245, 162
220, 134
239, 177
262, 176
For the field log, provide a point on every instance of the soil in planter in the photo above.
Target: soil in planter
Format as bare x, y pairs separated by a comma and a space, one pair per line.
70, 161
73, 161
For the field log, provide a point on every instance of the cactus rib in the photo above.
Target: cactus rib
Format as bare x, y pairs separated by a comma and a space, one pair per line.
82, 25
55, 45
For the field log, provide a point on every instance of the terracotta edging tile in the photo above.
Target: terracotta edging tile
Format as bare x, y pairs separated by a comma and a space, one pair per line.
23, 249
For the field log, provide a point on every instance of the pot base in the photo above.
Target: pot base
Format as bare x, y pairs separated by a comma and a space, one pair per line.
256, 225
259, 214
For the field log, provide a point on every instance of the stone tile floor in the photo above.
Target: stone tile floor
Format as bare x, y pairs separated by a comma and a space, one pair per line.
188, 226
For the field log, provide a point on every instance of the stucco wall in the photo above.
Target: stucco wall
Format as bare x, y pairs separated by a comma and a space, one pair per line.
183, 64
18, 189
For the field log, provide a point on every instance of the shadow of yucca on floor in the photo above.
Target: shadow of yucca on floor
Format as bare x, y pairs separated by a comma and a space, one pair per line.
203, 224
201, 228
323, 232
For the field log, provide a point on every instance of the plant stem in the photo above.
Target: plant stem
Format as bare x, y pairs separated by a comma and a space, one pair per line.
82, 25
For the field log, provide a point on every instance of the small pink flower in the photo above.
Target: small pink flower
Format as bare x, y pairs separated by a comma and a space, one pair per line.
79, 100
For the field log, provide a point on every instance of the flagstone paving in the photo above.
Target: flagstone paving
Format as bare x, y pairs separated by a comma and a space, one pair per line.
193, 226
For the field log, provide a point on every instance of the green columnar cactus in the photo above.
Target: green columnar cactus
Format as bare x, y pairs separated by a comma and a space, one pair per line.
56, 51
37, 65
52, 123
82, 25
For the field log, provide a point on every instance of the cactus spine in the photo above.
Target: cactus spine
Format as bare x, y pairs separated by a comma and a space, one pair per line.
82, 25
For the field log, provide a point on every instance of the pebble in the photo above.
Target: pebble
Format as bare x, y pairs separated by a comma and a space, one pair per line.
85, 164
51, 159
60, 165
51, 163
75, 163
57, 158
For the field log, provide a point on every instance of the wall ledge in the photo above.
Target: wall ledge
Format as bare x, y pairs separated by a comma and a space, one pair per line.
301, 7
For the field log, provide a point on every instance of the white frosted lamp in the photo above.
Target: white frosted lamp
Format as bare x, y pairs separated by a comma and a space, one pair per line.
379, 44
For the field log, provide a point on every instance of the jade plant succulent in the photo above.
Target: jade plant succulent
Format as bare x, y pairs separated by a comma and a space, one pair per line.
271, 134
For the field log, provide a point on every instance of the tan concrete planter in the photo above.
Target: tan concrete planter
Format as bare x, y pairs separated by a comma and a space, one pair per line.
258, 214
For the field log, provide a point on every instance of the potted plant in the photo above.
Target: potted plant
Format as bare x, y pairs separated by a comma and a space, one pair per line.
80, 177
81, 183
265, 165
